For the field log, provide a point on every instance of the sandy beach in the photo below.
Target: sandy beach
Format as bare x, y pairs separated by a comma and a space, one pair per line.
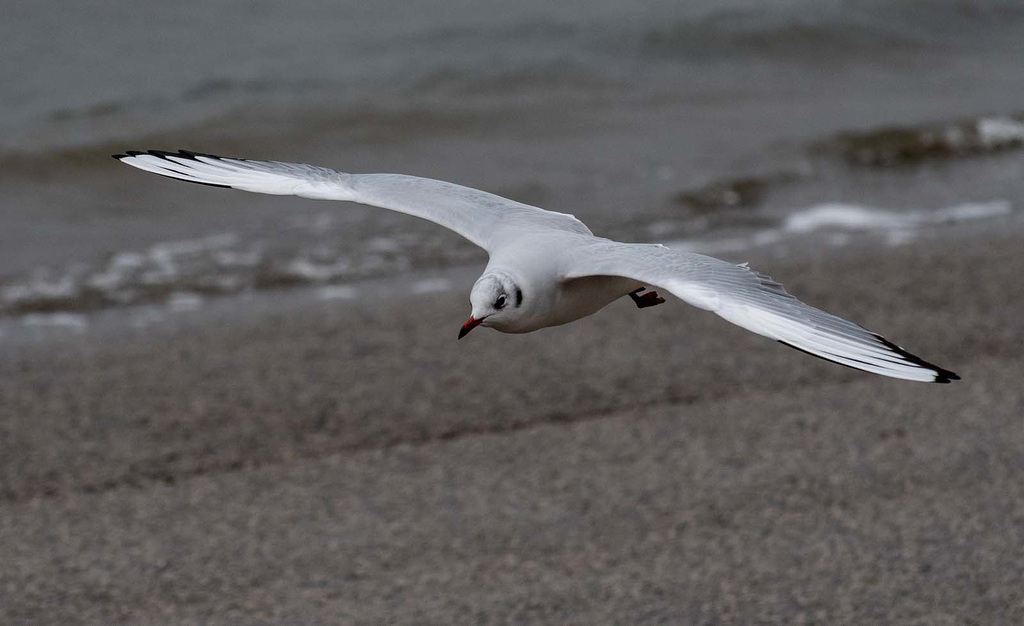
350, 462
228, 408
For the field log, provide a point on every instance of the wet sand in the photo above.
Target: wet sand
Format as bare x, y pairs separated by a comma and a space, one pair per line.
350, 462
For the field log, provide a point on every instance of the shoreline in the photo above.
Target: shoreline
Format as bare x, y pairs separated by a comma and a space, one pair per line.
837, 229
311, 462
305, 460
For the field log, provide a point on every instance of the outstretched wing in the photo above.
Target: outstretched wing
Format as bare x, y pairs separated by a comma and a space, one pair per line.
483, 218
755, 302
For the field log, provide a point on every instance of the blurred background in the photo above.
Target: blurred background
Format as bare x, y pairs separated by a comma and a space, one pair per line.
655, 121
177, 363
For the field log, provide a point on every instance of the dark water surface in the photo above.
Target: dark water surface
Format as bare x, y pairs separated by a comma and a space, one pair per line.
648, 120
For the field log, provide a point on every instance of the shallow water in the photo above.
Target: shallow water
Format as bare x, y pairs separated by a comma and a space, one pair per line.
709, 121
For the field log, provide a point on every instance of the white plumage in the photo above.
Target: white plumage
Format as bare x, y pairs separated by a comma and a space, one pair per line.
547, 268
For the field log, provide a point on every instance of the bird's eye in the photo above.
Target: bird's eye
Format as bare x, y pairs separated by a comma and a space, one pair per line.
500, 302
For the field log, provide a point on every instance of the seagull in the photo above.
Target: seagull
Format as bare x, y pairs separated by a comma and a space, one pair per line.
547, 268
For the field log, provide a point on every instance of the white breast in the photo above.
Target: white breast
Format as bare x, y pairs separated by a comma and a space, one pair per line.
580, 297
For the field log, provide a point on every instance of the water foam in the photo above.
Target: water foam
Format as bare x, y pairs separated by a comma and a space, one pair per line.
899, 227
855, 217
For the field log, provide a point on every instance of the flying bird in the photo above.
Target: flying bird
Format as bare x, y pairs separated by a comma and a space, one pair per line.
548, 269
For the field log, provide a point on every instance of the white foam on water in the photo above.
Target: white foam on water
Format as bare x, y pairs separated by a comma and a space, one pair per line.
432, 285
71, 321
847, 216
725, 245
308, 270
337, 292
1000, 132
39, 287
234, 258
316, 223
899, 227
170, 249
164, 256
382, 244
855, 217
974, 211
184, 301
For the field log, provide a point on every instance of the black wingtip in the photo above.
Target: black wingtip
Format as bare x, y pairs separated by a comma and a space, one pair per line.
941, 375
192, 155
945, 377
181, 153
163, 154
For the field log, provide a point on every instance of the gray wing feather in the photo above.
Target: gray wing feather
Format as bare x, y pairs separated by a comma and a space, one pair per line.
483, 218
756, 302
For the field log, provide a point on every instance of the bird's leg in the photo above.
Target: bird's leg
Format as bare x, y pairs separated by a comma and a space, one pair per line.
651, 298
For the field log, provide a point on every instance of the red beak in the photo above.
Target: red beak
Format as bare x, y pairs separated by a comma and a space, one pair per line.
469, 325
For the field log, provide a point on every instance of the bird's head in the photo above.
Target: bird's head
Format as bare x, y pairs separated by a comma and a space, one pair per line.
497, 301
